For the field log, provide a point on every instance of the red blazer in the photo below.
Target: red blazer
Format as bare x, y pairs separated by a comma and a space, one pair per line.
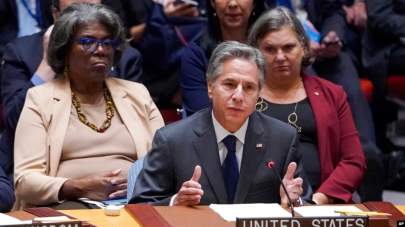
340, 153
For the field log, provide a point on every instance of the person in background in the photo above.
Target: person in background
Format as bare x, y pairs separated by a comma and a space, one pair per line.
383, 56
334, 62
162, 36
24, 65
318, 109
229, 138
79, 134
227, 20
23, 17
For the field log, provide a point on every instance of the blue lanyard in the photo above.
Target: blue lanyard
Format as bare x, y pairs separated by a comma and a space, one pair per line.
37, 15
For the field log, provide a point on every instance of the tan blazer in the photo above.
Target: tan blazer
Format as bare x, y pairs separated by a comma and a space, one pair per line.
42, 126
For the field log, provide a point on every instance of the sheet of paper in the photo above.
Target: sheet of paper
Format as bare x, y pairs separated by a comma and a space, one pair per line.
230, 212
8, 220
324, 211
52, 219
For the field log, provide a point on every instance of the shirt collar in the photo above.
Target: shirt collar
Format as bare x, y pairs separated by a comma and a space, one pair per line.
221, 132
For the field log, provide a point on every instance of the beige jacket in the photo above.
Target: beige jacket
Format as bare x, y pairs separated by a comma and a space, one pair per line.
42, 126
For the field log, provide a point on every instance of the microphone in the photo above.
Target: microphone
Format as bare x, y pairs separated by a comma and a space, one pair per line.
270, 165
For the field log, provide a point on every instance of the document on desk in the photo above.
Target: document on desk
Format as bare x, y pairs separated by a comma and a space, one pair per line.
230, 212
325, 211
8, 220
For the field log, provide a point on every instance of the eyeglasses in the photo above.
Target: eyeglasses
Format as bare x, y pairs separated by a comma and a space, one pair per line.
91, 44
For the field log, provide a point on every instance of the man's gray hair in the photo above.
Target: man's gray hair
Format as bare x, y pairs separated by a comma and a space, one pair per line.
274, 20
234, 50
70, 21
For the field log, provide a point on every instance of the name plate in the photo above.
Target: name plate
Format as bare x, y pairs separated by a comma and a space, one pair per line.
357, 221
53, 224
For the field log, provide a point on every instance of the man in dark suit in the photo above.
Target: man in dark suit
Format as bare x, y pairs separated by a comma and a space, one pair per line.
192, 162
9, 20
24, 65
383, 55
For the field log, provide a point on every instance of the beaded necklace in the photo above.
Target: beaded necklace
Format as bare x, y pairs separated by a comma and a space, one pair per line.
109, 112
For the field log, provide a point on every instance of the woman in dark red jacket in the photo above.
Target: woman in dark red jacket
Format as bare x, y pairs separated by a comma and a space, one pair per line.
333, 157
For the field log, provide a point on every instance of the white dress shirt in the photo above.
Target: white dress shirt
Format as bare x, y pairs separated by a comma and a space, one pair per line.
221, 133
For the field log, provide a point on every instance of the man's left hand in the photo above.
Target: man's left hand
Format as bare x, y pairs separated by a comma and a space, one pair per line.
292, 185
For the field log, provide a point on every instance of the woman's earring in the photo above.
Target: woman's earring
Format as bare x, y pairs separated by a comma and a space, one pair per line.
253, 13
214, 14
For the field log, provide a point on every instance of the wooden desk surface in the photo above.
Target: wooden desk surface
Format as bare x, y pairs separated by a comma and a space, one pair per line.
98, 218
401, 208
93, 216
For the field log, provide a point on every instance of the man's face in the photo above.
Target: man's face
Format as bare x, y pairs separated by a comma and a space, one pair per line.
234, 93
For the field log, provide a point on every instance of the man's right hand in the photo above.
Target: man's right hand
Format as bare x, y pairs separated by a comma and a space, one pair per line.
329, 47
190, 193
173, 9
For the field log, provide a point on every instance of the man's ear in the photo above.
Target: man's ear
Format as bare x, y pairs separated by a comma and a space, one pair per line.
210, 87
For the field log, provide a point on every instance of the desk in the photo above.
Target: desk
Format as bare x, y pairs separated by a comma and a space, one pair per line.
97, 217
94, 216
401, 208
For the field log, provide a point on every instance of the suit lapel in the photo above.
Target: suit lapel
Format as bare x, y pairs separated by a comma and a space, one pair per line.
58, 122
129, 116
318, 101
206, 148
253, 151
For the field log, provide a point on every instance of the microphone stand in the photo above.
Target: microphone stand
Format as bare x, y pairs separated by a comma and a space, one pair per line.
270, 165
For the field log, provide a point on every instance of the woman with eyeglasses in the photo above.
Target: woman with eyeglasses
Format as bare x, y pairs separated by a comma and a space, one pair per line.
79, 134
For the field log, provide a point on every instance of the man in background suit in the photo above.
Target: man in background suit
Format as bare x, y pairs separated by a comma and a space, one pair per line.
198, 148
383, 55
24, 66
9, 20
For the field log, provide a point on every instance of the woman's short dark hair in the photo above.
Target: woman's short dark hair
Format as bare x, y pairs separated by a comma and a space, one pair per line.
70, 21
274, 20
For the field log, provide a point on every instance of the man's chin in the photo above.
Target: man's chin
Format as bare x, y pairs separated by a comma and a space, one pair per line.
236, 116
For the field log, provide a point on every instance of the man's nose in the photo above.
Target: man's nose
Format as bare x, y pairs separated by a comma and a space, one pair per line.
238, 93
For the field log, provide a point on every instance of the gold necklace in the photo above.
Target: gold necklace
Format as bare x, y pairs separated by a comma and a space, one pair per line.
261, 105
292, 118
109, 112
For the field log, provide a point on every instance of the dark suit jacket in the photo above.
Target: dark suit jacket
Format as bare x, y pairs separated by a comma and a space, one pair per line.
340, 153
7, 193
179, 147
21, 59
386, 24
9, 20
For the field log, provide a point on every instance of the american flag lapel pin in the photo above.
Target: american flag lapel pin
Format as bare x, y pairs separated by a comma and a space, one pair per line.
259, 145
